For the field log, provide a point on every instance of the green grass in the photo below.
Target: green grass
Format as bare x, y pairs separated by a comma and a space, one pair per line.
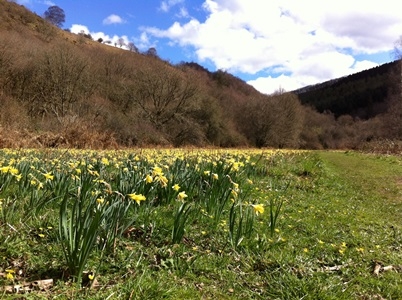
355, 201
340, 216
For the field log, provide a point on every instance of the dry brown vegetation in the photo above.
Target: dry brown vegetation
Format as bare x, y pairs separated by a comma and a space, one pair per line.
58, 89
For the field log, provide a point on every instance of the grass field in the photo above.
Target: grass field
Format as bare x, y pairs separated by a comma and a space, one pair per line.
200, 224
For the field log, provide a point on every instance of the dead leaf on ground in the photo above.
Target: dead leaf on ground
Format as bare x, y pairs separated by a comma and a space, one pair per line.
37, 285
379, 268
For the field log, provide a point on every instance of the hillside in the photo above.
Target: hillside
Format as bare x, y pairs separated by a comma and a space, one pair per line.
67, 90
59, 89
362, 95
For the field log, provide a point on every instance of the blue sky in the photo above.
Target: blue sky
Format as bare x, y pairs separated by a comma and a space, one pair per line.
271, 44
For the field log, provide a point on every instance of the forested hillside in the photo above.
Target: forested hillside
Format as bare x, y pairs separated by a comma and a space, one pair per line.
363, 95
59, 89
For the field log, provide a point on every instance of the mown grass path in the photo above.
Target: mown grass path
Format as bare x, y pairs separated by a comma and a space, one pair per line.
377, 178
359, 215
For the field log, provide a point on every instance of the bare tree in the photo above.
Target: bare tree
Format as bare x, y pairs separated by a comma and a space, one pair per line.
55, 15
152, 52
274, 121
398, 56
163, 95
6, 60
132, 47
288, 118
85, 35
398, 48
60, 80
120, 42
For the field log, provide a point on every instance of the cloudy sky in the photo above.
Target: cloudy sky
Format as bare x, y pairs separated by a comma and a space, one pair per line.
271, 44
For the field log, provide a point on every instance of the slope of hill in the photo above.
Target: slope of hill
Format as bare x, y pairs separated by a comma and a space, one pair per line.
63, 89
362, 95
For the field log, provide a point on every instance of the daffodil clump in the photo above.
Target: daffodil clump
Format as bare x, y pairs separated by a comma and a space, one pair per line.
100, 195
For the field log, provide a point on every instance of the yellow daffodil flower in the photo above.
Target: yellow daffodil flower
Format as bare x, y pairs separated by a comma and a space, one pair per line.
9, 169
182, 195
176, 187
4, 169
10, 274
13, 171
235, 166
137, 198
258, 209
48, 176
157, 171
163, 180
105, 161
149, 179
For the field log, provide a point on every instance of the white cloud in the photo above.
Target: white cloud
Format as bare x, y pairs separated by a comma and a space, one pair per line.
312, 71
143, 42
270, 84
363, 65
31, 2
166, 5
309, 41
113, 19
49, 3
24, 2
77, 28
183, 13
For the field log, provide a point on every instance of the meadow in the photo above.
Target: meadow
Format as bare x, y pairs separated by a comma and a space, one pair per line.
199, 224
